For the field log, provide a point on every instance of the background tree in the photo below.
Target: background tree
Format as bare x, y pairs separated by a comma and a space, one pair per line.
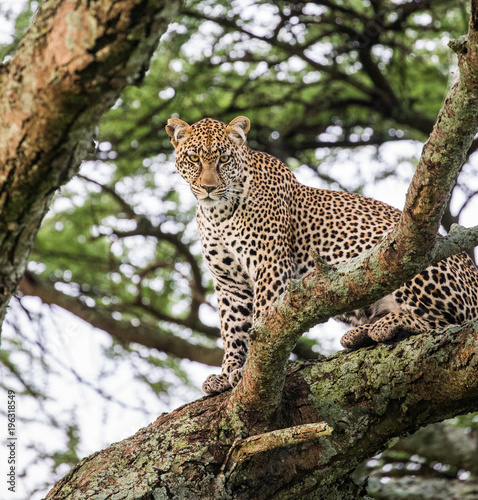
324, 84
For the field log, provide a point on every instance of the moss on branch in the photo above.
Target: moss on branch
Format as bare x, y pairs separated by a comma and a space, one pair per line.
370, 397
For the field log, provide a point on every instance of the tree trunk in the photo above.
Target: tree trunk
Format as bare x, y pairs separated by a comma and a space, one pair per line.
68, 70
333, 414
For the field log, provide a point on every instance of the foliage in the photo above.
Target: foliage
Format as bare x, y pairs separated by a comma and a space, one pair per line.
314, 78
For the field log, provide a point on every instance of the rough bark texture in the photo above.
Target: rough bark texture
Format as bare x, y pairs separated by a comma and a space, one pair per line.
67, 71
366, 398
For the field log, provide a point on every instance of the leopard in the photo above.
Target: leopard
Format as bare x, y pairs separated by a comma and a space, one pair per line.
259, 228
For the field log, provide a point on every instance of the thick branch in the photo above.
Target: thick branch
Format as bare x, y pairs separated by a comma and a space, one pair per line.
368, 397
444, 443
246, 450
67, 71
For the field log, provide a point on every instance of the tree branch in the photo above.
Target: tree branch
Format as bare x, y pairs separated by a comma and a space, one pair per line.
144, 334
443, 443
368, 397
250, 449
406, 251
123, 331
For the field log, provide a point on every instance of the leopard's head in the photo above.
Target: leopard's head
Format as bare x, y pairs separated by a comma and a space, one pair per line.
209, 155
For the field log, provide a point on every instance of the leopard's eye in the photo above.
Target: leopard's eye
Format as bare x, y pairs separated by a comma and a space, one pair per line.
194, 157
224, 158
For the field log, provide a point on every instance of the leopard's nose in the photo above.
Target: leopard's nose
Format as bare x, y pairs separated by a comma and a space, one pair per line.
207, 188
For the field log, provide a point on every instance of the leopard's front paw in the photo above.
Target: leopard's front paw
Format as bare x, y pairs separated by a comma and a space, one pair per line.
235, 376
357, 337
216, 383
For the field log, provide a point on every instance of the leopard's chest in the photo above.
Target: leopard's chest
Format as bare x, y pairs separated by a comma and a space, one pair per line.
232, 248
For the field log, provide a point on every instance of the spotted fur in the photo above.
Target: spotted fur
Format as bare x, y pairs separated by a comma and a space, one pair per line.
258, 225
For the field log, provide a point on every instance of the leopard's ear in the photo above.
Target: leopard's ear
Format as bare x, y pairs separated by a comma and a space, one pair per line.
178, 130
238, 129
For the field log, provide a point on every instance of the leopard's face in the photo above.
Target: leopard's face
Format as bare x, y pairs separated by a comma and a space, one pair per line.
209, 156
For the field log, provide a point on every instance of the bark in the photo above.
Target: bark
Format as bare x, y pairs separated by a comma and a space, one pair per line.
408, 249
67, 71
256, 442
333, 414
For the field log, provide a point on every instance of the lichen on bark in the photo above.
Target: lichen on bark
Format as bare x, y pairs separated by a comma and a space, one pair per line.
363, 400
369, 397
408, 249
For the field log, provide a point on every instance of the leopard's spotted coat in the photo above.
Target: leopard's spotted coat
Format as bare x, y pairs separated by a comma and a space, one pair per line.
258, 224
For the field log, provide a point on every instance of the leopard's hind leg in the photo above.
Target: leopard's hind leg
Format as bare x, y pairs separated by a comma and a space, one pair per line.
388, 328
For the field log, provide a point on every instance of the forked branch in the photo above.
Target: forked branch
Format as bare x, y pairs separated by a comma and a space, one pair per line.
407, 250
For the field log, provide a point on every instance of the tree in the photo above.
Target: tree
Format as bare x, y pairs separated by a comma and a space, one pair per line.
68, 69
113, 222
144, 298
254, 441
197, 451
